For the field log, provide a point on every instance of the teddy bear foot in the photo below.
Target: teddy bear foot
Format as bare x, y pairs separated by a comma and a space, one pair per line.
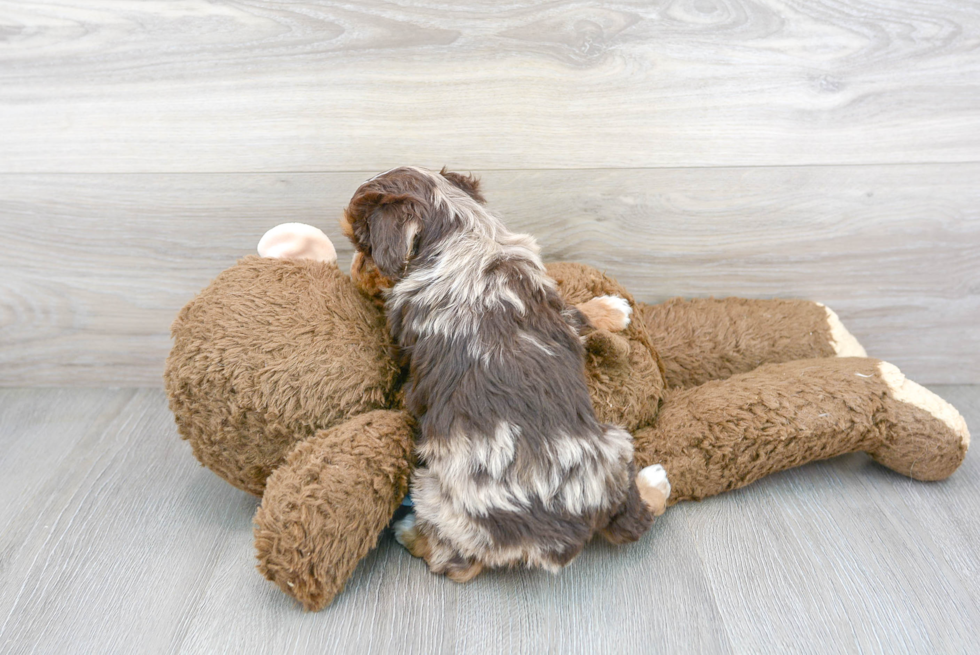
654, 488
927, 438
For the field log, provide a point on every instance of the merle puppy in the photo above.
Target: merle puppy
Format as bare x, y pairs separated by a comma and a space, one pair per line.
513, 465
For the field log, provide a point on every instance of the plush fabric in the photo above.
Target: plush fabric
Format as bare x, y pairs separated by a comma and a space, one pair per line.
248, 380
281, 380
325, 507
712, 339
725, 434
624, 371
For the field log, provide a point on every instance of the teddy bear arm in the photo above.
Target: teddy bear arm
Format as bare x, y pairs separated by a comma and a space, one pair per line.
324, 509
726, 434
712, 339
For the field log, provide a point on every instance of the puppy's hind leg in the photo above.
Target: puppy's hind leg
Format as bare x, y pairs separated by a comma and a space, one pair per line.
441, 557
461, 569
654, 488
407, 533
646, 499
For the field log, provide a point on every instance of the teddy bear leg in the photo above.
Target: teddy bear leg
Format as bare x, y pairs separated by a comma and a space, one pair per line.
712, 339
325, 507
726, 434
441, 557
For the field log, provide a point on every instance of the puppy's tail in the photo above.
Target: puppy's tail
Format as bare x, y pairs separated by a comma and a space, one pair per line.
646, 498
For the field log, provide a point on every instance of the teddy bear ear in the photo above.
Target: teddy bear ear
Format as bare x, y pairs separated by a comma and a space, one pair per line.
297, 241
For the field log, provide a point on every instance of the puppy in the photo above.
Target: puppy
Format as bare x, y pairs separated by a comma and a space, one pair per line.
514, 467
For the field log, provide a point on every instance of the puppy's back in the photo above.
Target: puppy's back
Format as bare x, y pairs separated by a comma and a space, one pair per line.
509, 438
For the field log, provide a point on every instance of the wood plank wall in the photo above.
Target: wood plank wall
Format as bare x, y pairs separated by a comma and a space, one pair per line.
815, 149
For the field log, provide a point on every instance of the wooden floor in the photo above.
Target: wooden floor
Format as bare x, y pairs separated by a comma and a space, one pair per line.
113, 540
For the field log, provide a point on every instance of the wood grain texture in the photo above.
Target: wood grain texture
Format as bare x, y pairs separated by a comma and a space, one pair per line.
95, 267
114, 540
95, 559
205, 85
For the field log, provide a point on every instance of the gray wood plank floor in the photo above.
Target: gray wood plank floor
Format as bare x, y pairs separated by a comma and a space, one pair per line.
113, 539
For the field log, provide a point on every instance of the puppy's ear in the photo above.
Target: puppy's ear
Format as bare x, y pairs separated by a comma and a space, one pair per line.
394, 229
467, 183
392, 222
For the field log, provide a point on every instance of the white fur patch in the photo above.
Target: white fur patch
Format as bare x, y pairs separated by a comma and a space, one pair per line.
405, 530
568, 451
907, 391
654, 488
534, 341
616, 445
655, 476
495, 454
509, 295
455, 290
841, 340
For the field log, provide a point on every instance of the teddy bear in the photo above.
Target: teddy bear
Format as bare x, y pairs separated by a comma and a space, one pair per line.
281, 379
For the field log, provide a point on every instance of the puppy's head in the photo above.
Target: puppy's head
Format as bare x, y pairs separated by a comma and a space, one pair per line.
396, 215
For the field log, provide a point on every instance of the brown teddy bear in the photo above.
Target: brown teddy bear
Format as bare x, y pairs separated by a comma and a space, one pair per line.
281, 380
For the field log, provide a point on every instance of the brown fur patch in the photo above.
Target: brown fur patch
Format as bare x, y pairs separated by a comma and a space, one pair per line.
368, 278
345, 226
263, 358
467, 183
654, 499
634, 517
464, 572
324, 508
417, 543
712, 339
623, 370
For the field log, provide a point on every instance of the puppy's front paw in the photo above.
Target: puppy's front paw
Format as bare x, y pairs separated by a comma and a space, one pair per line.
610, 313
654, 488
